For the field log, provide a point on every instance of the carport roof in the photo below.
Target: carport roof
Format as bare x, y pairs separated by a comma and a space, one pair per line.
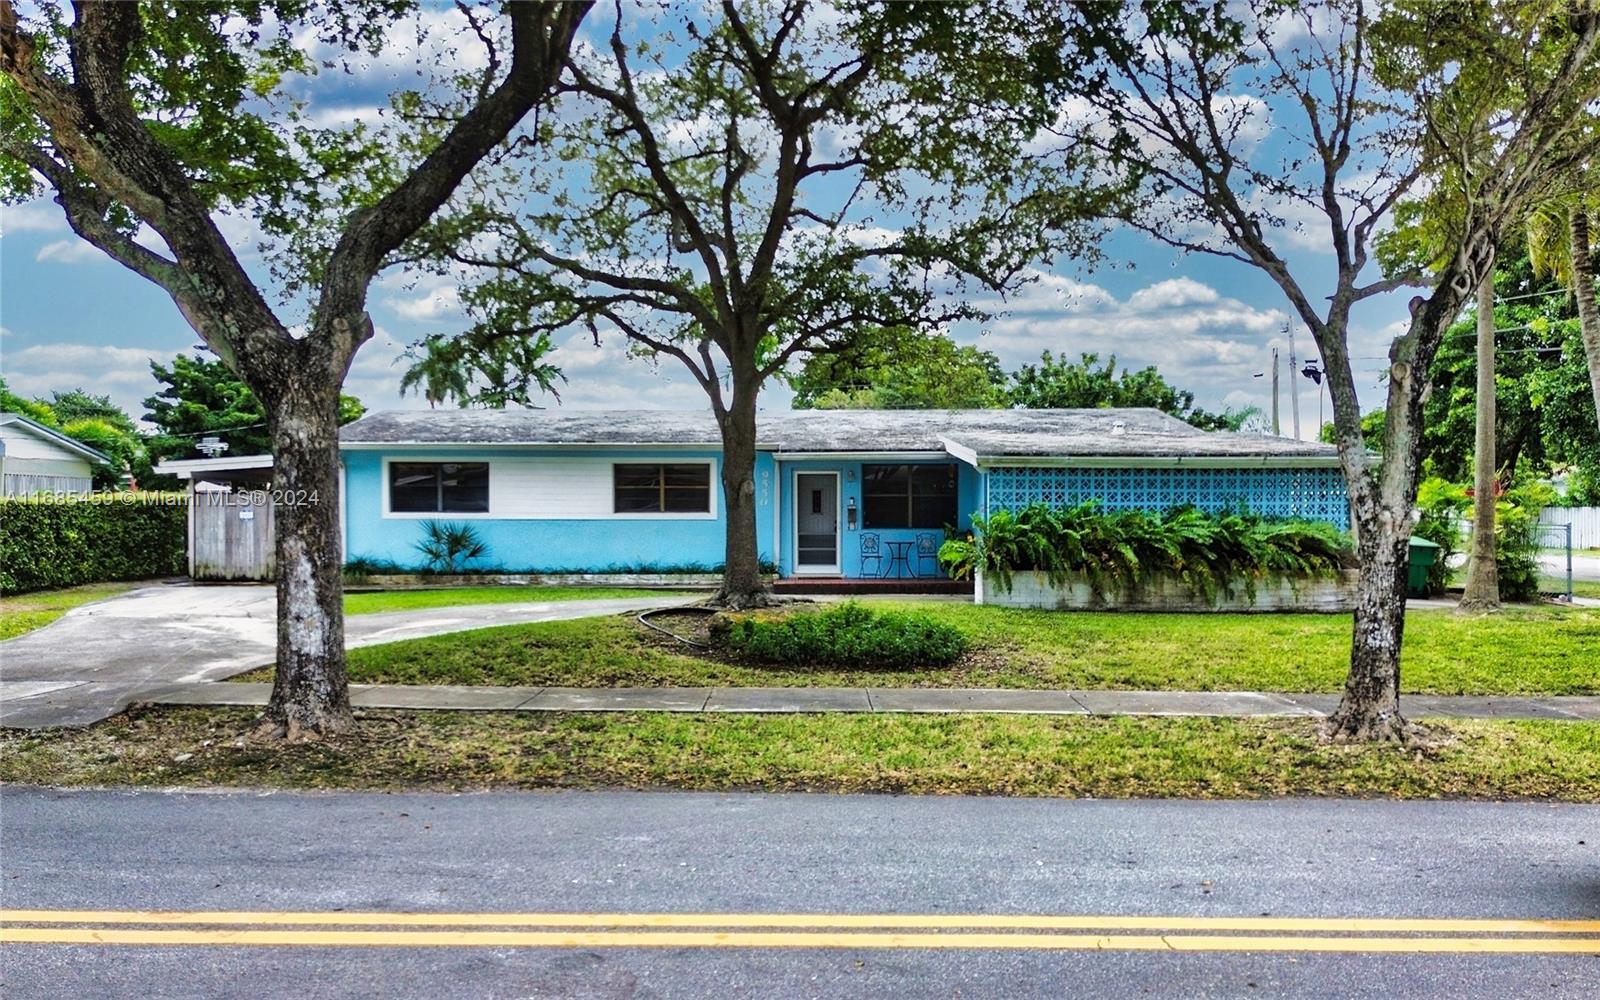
973, 435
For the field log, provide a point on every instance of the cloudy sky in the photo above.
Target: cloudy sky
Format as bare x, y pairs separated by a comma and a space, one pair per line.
71, 318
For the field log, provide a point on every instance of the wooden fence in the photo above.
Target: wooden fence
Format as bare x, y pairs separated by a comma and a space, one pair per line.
230, 535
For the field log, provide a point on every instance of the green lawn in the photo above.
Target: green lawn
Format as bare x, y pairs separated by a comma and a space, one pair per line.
1521, 651
969, 754
1580, 588
367, 602
26, 612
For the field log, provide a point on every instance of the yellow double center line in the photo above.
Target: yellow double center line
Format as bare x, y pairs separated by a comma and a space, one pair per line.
799, 930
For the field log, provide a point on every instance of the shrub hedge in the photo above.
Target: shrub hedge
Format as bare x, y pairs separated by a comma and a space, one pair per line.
48, 542
846, 635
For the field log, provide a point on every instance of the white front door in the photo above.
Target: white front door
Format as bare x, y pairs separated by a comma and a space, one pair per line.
816, 523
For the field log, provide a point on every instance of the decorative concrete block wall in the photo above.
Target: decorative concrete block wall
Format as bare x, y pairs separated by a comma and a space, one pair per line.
1033, 589
1316, 494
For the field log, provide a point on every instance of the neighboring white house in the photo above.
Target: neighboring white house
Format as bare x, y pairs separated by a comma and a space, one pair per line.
39, 459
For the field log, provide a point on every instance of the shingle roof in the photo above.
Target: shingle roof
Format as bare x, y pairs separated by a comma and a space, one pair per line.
989, 433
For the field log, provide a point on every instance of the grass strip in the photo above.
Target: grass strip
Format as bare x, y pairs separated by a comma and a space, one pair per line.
963, 754
23, 613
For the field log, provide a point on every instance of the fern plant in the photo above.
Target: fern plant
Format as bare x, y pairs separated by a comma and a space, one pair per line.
1212, 554
448, 546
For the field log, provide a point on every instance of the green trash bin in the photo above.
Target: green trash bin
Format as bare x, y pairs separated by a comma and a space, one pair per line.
1423, 553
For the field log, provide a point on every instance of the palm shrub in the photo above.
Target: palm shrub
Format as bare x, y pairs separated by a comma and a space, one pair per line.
447, 546
1441, 511
1517, 539
845, 635
1119, 551
1442, 518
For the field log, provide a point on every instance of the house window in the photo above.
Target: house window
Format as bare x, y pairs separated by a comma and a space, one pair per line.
439, 487
661, 488
908, 496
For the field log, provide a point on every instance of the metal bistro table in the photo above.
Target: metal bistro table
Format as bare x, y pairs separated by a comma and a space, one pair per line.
899, 565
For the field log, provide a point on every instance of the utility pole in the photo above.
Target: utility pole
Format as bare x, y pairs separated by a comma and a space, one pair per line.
1294, 383
1276, 431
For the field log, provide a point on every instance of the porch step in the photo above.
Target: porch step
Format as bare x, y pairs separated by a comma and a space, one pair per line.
856, 585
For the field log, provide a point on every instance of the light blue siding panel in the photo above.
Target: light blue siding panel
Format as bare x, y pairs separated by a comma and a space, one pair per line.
535, 544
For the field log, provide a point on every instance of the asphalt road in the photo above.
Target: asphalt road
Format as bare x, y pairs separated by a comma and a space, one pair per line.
961, 864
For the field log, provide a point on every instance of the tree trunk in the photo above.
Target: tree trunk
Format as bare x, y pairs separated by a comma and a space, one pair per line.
742, 585
1370, 708
1588, 309
1382, 514
1482, 591
310, 698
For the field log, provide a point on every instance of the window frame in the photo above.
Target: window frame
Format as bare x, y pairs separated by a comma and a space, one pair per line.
710, 511
387, 487
910, 496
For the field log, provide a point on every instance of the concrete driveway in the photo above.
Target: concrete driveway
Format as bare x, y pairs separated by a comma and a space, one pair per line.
95, 660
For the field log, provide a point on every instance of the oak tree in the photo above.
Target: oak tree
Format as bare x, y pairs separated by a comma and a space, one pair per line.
737, 188
144, 120
1251, 119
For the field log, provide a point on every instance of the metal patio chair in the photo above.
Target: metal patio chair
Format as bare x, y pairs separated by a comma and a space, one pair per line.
871, 551
927, 551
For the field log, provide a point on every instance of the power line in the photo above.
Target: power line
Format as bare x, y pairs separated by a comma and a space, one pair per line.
214, 430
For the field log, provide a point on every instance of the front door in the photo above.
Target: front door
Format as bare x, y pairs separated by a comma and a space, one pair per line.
816, 504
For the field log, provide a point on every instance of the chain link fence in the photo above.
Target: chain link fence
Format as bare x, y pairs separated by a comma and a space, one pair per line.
1554, 552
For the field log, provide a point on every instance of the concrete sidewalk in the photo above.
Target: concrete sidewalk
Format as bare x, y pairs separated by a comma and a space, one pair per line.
758, 700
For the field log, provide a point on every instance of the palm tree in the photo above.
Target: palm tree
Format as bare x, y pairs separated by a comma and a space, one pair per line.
1482, 592
1560, 246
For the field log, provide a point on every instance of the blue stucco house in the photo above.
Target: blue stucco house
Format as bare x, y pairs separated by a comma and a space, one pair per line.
840, 493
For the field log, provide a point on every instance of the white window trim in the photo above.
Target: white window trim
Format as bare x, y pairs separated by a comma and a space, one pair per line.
435, 515
665, 515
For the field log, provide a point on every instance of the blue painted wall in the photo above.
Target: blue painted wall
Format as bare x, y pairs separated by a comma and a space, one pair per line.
968, 502
580, 545
548, 545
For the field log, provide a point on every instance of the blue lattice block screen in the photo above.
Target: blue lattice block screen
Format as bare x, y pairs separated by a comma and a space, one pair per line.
1317, 494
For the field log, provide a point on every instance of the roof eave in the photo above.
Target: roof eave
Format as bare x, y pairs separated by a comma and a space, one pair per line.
1161, 461
56, 437
545, 445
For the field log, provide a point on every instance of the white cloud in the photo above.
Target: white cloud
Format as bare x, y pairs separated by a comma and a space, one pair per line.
1172, 294
123, 373
341, 115
68, 251
1200, 338
38, 216
603, 377
430, 304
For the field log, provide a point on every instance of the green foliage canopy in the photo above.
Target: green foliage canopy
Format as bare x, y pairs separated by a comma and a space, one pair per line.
900, 368
1057, 383
202, 396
